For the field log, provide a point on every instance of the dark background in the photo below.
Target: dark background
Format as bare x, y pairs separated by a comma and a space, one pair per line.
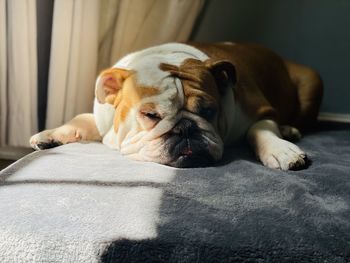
311, 32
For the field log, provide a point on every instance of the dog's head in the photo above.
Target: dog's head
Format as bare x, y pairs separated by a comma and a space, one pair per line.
168, 114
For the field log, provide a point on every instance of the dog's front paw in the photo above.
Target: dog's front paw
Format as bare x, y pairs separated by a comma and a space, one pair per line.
43, 140
281, 154
52, 138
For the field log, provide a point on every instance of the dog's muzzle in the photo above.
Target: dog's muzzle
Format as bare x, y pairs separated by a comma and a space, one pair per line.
187, 146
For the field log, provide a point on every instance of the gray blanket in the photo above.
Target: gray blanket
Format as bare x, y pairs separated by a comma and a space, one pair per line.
86, 203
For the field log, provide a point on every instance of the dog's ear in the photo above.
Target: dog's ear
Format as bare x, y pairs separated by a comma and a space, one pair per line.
109, 83
223, 71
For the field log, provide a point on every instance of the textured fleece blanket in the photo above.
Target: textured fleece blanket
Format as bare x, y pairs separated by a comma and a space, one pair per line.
86, 203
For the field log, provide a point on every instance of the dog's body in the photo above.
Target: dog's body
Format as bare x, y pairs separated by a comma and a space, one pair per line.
179, 104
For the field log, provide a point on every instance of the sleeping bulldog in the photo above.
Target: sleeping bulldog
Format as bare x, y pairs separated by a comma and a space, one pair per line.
181, 104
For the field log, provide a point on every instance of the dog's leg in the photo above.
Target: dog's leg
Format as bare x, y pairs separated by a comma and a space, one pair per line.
310, 90
272, 150
80, 128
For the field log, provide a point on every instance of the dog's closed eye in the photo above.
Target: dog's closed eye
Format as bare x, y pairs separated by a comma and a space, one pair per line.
152, 115
149, 116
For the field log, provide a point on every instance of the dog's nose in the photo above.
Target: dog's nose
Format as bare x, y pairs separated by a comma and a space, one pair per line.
185, 127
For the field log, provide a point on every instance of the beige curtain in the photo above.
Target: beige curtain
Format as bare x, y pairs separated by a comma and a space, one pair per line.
73, 59
3, 73
89, 35
135, 24
18, 69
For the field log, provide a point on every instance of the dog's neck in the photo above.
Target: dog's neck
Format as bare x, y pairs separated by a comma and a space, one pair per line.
234, 122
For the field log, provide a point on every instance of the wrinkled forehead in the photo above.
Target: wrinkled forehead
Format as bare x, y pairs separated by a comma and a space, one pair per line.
172, 92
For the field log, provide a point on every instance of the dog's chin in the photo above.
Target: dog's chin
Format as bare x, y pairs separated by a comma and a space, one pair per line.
193, 161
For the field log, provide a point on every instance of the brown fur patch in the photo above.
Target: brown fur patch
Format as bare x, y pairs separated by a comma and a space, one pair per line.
264, 88
129, 96
199, 85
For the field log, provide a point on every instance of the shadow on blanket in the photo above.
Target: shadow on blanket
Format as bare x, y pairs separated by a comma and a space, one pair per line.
92, 203
242, 211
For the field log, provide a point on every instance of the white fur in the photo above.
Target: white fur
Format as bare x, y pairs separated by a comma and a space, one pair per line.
171, 53
104, 114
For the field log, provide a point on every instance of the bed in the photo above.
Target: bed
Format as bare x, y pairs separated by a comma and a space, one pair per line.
87, 203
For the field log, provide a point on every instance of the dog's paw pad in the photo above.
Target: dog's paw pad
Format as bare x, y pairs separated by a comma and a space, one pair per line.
47, 145
302, 162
